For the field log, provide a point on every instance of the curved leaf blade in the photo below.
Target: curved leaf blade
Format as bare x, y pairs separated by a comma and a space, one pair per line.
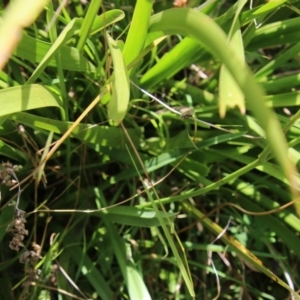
118, 104
21, 98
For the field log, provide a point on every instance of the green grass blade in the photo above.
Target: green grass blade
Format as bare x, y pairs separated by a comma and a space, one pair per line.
177, 248
138, 30
88, 22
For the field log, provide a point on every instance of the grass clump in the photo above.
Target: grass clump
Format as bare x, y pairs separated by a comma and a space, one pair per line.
159, 146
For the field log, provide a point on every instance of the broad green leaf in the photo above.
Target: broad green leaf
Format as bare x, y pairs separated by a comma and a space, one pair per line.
21, 98
118, 104
133, 216
35, 50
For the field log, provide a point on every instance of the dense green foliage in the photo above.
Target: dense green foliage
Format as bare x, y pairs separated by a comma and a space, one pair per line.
156, 149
